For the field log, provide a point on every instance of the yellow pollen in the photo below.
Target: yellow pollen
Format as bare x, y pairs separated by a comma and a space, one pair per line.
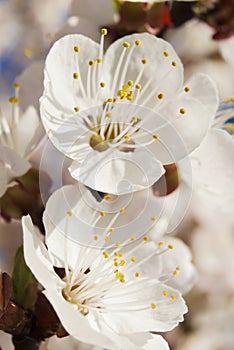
114, 99
134, 119
161, 95
116, 253
104, 31
125, 87
122, 262
76, 48
117, 244
99, 59
116, 259
76, 109
16, 85
116, 264
173, 296
182, 110
102, 84
13, 99
153, 306
138, 86
174, 63
175, 273
146, 238
170, 246
111, 230
126, 44
165, 293
69, 213
130, 83
153, 218
187, 89
28, 52
144, 60
133, 259
230, 99
95, 238
155, 136
91, 63
132, 238
229, 126
110, 100
166, 53
107, 197
160, 244
137, 42
108, 114
105, 254
121, 210
127, 138
75, 75
107, 238
178, 268
137, 274
103, 213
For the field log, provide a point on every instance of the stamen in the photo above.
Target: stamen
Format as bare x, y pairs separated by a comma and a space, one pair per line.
182, 110
13, 99
166, 53
75, 75
137, 42
144, 60
161, 95
187, 89
76, 48
174, 63
76, 109
153, 306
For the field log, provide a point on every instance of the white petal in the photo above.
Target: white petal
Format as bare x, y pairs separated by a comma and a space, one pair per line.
36, 256
227, 48
213, 170
158, 74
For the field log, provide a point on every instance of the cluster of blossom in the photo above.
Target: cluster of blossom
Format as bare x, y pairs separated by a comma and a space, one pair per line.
136, 142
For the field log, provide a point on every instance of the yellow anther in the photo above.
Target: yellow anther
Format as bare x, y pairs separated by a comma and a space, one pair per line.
144, 60
134, 119
153, 218
138, 86
95, 237
107, 197
104, 31
121, 210
175, 273
165, 293
178, 268
122, 262
116, 253
170, 246
13, 99
182, 110
132, 238
137, 42
103, 213
130, 96
111, 230
230, 99
122, 280
125, 87
99, 59
153, 306
105, 254
174, 63
161, 95
160, 244
16, 85
166, 53
146, 238
76, 109
156, 136
130, 83
173, 296
116, 264
114, 99
91, 63
75, 75
102, 84
187, 89
107, 238
127, 138
76, 48
110, 100
120, 254
108, 114
116, 259
28, 52
126, 44
117, 244
229, 126
69, 213
137, 274
133, 259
